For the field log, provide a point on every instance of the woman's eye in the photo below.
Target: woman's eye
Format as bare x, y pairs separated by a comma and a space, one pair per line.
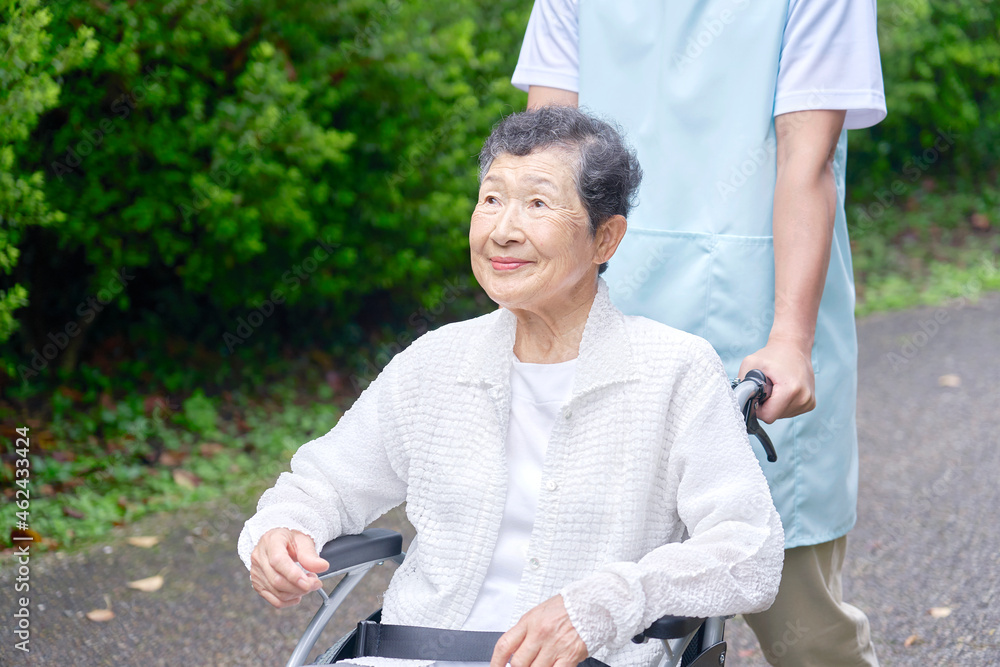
491, 200
537, 203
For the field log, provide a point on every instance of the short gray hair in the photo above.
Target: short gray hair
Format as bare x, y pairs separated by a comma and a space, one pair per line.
607, 173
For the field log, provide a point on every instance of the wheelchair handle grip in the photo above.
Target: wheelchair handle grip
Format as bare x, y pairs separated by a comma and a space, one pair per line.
754, 389
765, 384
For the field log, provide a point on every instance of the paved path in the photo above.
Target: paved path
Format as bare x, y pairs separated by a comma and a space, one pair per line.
928, 532
928, 535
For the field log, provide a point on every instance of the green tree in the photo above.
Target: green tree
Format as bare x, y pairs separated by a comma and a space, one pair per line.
941, 66
313, 159
27, 89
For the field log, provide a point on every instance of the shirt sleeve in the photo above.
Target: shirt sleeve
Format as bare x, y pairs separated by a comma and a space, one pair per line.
339, 482
830, 60
550, 54
731, 562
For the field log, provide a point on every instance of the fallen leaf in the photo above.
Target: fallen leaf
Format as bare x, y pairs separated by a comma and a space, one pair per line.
17, 533
169, 458
153, 404
64, 457
939, 612
186, 479
144, 541
335, 381
72, 513
100, 615
950, 380
210, 449
72, 394
911, 640
980, 222
147, 585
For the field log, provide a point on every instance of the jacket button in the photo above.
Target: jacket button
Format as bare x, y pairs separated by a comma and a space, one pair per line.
568, 413
533, 562
551, 485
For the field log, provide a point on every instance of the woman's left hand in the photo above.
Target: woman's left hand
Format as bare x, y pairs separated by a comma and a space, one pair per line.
544, 637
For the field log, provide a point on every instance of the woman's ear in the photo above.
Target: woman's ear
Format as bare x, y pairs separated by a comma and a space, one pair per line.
609, 235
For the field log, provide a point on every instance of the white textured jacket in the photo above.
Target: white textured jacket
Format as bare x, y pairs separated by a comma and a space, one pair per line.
652, 502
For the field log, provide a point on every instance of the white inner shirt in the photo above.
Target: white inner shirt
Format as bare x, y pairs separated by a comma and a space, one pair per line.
538, 392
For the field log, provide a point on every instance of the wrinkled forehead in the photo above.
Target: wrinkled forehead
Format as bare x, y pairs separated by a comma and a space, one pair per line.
554, 165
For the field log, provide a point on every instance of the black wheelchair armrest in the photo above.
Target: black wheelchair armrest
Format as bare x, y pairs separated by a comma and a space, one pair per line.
669, 627
374, 544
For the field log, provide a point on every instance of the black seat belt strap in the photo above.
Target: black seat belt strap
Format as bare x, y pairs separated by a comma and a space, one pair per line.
416, 643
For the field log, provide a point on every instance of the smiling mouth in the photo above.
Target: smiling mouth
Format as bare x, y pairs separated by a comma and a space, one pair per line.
507, 263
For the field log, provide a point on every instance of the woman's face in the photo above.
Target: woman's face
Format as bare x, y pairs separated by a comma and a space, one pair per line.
530, 235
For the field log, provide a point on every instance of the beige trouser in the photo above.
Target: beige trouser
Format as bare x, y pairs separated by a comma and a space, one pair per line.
809, 623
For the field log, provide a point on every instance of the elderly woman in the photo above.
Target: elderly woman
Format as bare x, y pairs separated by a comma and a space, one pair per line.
572, 474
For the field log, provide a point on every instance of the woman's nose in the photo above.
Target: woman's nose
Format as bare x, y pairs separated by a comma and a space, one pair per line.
508, 227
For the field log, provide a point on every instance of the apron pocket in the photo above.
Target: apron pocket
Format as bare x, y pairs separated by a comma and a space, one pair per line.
741, 296
663, 275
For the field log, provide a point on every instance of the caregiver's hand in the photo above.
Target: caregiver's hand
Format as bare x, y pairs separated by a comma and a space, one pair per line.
542, 638
789, 366
274, 570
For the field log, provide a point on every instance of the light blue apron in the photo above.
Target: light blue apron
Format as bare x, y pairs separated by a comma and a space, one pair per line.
693, 82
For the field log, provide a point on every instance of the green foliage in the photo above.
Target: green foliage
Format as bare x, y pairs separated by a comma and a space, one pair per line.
941, 66
923, 250
147, 462
254, 158
199, 413
27, 89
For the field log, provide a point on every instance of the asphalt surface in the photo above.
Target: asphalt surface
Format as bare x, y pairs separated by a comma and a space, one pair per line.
928, 534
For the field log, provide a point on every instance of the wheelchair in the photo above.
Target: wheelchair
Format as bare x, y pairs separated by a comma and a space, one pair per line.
687, 642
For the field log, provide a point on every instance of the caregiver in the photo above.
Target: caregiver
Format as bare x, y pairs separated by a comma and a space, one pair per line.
739, 112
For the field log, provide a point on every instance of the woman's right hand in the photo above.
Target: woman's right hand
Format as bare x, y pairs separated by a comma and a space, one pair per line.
274, 567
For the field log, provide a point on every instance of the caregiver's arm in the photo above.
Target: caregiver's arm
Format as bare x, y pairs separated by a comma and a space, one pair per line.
805, 202
543, 96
